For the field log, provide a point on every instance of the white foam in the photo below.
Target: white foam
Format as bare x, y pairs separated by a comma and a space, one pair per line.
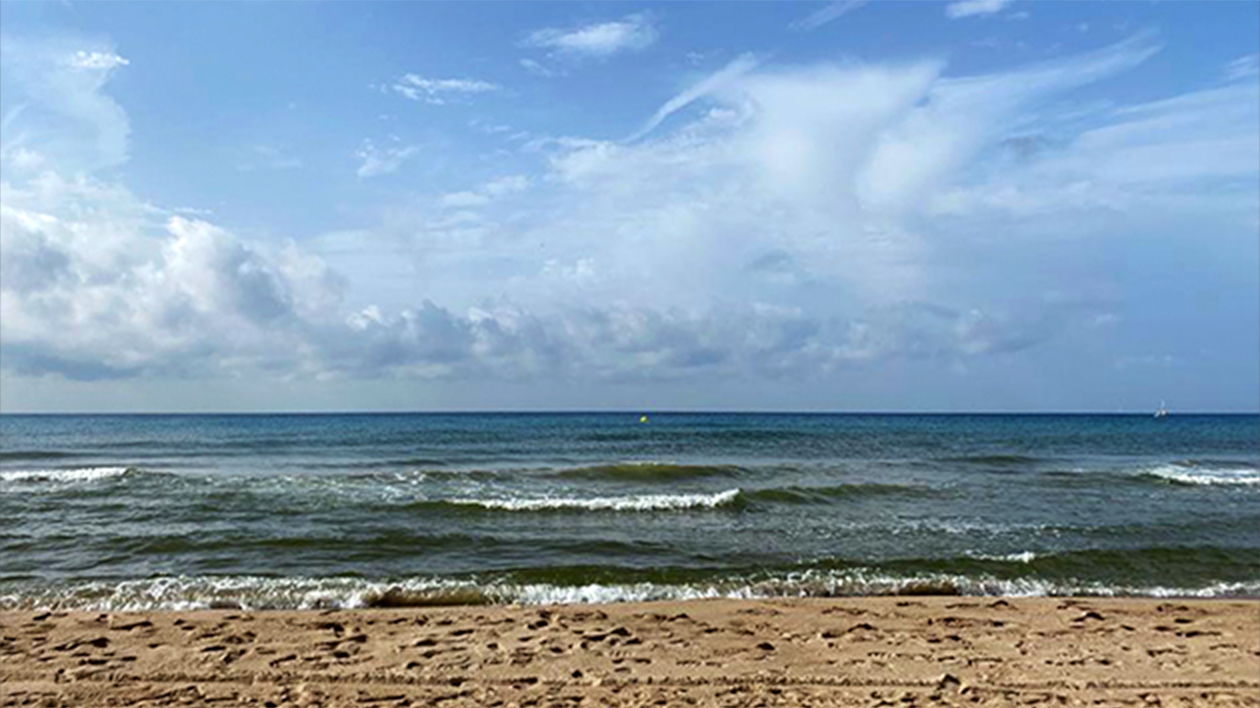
596, 594
257, 593
1206, 475
82, 474
643, 502
244, 591
1023, 557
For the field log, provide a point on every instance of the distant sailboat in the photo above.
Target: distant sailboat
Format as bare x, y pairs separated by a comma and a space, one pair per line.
1162, 412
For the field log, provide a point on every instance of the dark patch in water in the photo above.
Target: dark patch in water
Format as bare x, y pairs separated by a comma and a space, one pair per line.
648, 472
826, 495
20, 455
995, 460
395, 598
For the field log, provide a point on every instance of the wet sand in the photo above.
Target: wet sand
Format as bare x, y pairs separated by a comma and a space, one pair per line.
890, 651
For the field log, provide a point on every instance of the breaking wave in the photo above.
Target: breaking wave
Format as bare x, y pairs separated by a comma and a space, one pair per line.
260, 593
79, 474
1193, 473
641, 502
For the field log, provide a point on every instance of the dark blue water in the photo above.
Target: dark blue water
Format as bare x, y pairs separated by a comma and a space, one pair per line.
317, 510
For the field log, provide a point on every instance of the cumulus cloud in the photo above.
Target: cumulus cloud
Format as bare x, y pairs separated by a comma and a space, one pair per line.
438, 91
175, 296
184, 297
113, 291
598, 40
975, 8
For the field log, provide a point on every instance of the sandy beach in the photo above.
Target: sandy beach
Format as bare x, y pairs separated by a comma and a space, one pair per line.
902, 651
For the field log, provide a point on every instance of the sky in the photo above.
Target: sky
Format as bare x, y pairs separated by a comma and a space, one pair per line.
980, 205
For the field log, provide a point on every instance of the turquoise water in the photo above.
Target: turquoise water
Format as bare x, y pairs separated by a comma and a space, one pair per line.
348, 510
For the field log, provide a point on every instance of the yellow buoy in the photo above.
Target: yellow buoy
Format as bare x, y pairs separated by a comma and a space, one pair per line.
642, 419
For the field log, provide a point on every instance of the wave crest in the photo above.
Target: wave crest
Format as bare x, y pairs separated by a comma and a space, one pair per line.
79, 474
1196, 475
641, 502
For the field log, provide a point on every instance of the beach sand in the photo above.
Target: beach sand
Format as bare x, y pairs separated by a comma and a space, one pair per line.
889, 651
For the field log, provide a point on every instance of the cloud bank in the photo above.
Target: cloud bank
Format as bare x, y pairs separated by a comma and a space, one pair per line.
792, 222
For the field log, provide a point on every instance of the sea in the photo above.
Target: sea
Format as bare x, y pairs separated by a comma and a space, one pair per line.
144, 512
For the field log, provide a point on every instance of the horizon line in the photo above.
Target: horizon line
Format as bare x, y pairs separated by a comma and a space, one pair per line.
625, 411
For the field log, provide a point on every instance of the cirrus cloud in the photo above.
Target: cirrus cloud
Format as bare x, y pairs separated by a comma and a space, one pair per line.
437, 91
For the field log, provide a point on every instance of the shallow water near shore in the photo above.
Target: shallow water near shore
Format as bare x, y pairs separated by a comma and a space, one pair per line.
290, 511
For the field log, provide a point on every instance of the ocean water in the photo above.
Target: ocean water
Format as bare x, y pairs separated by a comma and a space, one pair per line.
292, 511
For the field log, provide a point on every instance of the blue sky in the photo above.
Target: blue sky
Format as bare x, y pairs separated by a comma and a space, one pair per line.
978, 205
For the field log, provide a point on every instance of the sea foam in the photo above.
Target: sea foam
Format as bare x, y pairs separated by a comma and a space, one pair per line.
1193, 474
642, 502
80, 474
298, 593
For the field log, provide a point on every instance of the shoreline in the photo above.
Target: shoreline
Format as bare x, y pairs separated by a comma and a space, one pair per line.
473, 597
853, 651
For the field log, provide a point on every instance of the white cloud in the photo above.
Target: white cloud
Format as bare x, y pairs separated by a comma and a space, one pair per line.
958, 117
600, 40
100, 286
63, 113
539, 69
438, 91
506, 185
462, 200
835, 169
805, 220
494, 189
22, 159
1243, 68
828, 13
973, 8
104, 61
714, 82
1142, 159
382, 161
183, 297
193, 211
108, 290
